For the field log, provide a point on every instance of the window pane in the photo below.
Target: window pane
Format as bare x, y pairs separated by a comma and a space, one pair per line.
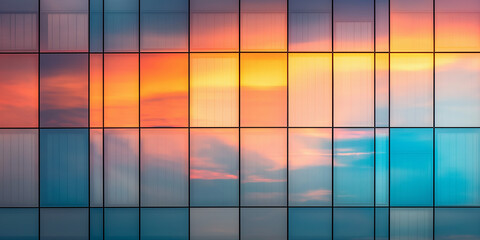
96, 168
382, 25
64, 90
354, 25
214, 167
310, 167
263, 167
64, 167
457, 167
214, 224
310, 89
96, 90
214, 90
411, 25
263, 223
214, 25
382, 156
456, 25
64, 223
96, 223
411, 223
121, 90
164, 90
263, 89
19, 171
19, 25
353, 223
353, 96
454, 223
263, 25
164, 223
382, 90
457, 84
164, 167
353, 167
310, 25
18, 90
19, 223
121, 25
164, 25
310, 223
64, 25
411, 168
121, 167
96, 25
411, 90
121, 223
382, 223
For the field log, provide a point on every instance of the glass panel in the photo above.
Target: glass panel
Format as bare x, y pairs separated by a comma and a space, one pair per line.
353, 223
121, 223
263, 96
310, 223
164, 90
121, 25
411, 90
64, 223
457, 223
214, 90
164, 223
310, 89
19, 25
96, 223
456, 25
121, 90
96, 168
96, 90
263, 25
18, 90
263, 223
214, 25
19, 171
411, 223
164, 167
121, 167
96, 25
354, 25
457, 167
310, 25
214, 167
381, 223
64, 25
411, 25
64, 90
382, 25
214, 224
353, 167
457, 84
382, 90
382, 156
64, 167
164, 25
19, 223
411, 168
263, 167
310, 167
354, 85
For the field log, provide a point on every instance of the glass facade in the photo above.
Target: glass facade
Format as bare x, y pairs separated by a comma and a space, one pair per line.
239, 119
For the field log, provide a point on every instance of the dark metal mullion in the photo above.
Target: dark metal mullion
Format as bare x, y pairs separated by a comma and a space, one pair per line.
333, 120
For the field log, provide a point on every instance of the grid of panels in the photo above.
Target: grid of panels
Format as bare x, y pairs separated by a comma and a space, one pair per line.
144, 120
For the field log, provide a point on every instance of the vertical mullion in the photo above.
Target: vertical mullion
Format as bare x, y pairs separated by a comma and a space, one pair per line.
38, 118
139, 129
333, 118
389, 109
374, 119
88, 52
103, 117
189, 132
288, 129
239, 125
433, 132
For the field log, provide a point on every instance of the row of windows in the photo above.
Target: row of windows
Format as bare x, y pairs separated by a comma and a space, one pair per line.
162, 94
228, 167
230, 223
215, 25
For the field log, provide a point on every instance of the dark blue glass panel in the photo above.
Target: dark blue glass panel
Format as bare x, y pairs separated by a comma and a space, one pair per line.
64, 223
310, 223
64, 167
164, 223
96, 223
263, 223
121, 25
214, 224
411, 159
457, 223
121, 224
353, 223
18, 224
96, 25
381, 223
